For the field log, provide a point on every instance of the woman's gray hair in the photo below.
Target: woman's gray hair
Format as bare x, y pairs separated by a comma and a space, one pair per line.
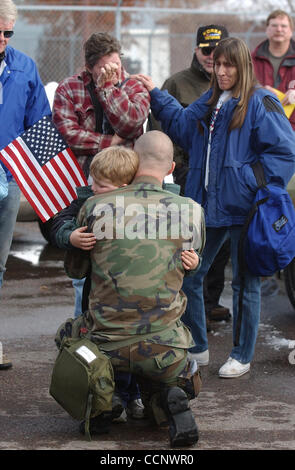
8, 11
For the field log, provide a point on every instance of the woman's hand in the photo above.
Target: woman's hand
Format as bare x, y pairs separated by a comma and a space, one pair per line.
145, 80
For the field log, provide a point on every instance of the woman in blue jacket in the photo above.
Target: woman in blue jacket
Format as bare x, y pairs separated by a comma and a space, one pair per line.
231, 126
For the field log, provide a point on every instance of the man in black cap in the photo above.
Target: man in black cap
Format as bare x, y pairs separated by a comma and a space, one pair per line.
187, 86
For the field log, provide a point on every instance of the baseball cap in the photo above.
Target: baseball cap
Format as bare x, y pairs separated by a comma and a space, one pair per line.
210, 35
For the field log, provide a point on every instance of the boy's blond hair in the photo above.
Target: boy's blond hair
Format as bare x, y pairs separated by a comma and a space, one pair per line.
116, 164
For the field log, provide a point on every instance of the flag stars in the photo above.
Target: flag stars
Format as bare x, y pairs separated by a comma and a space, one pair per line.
45, 187
44, 137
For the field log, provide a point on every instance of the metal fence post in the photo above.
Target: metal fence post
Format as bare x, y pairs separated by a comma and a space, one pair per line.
118, 20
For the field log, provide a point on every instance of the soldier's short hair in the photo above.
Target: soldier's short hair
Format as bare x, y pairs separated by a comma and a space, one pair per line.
116, 164
98, 46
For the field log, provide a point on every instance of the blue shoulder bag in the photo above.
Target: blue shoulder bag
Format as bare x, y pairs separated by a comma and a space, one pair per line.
267, 242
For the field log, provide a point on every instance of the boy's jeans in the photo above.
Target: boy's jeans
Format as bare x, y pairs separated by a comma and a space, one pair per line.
78, 285
8, 212
194, 316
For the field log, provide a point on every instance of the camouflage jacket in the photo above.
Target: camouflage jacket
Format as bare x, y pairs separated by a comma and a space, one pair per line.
137, 272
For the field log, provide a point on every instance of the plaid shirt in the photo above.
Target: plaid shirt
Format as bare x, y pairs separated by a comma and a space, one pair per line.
125, 107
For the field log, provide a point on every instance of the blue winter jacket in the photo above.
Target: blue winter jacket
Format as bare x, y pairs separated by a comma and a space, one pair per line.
266, 135
23, 99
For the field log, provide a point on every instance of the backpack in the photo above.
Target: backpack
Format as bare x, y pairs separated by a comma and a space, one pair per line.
267, 241
268, 237
82, 380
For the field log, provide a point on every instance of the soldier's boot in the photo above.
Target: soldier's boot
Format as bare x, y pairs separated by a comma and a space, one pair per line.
183, 429
98, 425
101, 424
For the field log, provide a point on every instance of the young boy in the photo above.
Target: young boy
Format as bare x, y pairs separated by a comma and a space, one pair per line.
110, 169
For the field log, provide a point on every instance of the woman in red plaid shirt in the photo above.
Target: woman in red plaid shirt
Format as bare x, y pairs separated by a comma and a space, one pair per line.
101, 106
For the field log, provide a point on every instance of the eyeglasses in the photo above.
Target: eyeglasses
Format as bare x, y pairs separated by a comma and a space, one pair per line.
7, 34
207, 50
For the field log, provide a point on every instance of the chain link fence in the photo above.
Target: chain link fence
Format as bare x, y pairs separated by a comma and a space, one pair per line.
156, 41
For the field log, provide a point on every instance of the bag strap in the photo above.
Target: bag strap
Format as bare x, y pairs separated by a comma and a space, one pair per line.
259, 174
97, 107
87, 416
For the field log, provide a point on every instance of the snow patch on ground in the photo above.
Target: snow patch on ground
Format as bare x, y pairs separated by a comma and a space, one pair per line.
274, 339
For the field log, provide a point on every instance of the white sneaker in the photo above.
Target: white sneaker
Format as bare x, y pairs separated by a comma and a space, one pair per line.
4, 361
201, 358
233, 368
136, 409
122, 418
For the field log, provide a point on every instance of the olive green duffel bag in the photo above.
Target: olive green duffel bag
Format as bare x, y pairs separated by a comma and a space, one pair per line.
82, 380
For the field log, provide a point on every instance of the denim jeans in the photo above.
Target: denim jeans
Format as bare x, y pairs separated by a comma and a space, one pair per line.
8, 212
78, 285
126, 387
194, 316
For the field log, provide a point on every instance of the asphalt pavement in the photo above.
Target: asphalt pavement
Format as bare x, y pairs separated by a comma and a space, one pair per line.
253, 412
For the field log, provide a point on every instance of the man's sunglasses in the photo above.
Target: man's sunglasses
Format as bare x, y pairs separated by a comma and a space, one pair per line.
7, 34
207, 50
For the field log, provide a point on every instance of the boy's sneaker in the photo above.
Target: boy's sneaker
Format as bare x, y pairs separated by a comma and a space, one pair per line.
183, 429
117, 407
122, 418
136, 409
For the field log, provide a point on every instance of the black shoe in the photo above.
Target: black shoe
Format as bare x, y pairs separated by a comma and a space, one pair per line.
183, 429
219, 313
208, 325
99, 424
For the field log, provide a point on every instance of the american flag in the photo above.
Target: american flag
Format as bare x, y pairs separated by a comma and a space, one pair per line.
44, 167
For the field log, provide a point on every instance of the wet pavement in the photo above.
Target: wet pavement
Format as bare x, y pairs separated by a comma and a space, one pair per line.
254, 412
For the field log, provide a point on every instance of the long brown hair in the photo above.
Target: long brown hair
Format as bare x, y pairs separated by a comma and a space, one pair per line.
237, 53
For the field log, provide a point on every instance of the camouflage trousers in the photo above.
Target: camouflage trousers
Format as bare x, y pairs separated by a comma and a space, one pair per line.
156, 367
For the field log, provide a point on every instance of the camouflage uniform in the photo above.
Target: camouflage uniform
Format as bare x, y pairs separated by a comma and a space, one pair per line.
135, 301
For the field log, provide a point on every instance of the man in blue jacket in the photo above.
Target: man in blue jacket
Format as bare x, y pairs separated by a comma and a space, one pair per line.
23, 102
